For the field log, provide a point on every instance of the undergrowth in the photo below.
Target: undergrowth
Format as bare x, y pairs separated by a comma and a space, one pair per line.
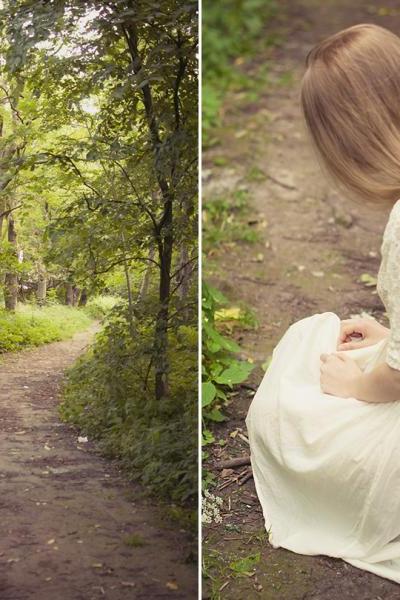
99, 306
33, 326
231, 30
108, 395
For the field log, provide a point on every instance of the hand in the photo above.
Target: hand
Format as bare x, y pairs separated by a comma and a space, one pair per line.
340, 375
368, 332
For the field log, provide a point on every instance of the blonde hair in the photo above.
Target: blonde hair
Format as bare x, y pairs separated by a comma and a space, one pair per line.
350, 97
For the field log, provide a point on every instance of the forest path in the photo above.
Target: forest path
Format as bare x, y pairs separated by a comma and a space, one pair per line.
67, 516
313, 247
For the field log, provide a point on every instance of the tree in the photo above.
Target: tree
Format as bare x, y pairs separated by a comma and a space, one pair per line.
119, 80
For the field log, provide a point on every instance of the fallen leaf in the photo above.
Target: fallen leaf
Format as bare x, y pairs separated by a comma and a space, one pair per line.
368, 280
171, 585
226, 473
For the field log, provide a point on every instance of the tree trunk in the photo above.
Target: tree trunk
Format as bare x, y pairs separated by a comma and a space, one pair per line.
184, 273
11, 279
84, 297
69, 295
76, 296
41, 290
165, 246
128, 289
144, 286
163, 230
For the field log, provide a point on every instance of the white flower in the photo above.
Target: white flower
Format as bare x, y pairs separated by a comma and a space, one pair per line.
211, 505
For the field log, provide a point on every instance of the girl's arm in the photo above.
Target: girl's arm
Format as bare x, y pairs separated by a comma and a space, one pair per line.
382, 384
341, 376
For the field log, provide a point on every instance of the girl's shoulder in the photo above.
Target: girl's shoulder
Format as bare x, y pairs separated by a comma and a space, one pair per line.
393, 223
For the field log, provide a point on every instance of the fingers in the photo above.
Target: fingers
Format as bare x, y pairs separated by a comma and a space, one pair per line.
334, 355
352, 345
349, 327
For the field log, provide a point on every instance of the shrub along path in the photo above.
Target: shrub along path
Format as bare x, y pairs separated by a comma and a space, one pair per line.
71, 526
313, 247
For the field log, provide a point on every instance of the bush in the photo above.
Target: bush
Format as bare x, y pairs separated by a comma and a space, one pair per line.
100, 306
107, 395
33, 326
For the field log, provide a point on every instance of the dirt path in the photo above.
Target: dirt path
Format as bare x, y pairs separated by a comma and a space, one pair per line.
313, 246
68, 519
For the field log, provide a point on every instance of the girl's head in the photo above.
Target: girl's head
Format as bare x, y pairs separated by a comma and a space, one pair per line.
350, 97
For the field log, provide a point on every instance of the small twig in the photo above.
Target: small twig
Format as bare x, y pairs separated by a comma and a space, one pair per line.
256, 281
248, 475
244, 438
247, 386
232, 463
227, 483
5, 213
284, 185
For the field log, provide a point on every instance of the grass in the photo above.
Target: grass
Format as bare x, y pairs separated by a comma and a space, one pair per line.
233, 32
134, 541
33, 326
224, 220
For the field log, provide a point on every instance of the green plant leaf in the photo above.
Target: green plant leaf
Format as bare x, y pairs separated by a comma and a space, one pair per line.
244, 566
236, 373
215, 415
209, 392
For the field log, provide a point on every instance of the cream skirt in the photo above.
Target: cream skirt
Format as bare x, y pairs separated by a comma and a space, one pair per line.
326, 469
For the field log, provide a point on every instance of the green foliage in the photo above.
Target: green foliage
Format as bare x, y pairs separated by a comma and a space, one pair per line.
107, 395
32, 326
230, 30
368, 280
245, 566
221, 370
103, 99
224, 220
99, 306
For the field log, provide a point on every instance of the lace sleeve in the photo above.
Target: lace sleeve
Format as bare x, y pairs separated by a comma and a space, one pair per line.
392, 284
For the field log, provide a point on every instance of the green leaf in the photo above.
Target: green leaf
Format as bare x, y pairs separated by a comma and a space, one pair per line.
208, 437
245, 566
236, 373
209, 392
368, 280
214, 415
218, 340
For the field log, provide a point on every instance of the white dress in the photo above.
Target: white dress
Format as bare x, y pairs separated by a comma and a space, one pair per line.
327, 469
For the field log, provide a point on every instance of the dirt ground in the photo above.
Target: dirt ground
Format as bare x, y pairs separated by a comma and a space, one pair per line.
313, 247
72, 528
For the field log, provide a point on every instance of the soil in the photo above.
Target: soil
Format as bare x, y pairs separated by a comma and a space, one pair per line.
314, 245
72, 527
